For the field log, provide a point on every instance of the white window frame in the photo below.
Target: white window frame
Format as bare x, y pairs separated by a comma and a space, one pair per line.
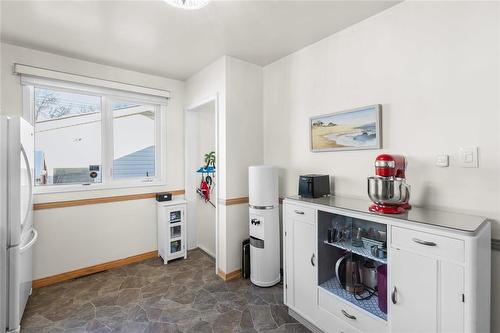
107, 147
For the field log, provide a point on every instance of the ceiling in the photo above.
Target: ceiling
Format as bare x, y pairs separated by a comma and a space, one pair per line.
153, 37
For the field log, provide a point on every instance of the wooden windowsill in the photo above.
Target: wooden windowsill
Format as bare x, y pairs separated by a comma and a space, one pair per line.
233, 201
118, 198
100, 200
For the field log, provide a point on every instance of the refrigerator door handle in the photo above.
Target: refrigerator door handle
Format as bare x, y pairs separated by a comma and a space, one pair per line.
31, 242
30, 176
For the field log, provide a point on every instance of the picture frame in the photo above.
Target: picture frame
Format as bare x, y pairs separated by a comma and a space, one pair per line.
354, 129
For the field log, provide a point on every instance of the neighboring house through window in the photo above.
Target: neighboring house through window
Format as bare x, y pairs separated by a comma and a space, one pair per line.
134, 140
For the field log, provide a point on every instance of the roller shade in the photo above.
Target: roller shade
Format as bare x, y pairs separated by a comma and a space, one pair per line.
32, 74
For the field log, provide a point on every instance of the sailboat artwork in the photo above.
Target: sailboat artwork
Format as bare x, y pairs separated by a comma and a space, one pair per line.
354, 129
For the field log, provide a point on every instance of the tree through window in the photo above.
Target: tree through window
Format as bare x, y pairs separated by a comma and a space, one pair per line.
67, 137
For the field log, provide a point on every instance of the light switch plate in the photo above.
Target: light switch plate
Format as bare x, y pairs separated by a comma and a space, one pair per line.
468, 157
442, 161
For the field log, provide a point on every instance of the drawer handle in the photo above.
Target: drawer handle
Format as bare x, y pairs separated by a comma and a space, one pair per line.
393, 295
422, 242
350, 316
312, 260
299, 212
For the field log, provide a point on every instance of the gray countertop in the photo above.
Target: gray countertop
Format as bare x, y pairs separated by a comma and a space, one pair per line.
461, 222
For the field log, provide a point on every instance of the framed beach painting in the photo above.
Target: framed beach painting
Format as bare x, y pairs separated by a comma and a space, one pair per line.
354, 129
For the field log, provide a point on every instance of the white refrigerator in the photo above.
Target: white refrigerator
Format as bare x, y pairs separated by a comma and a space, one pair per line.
17, 235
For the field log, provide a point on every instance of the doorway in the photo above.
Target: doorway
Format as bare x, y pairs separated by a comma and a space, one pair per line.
201, 177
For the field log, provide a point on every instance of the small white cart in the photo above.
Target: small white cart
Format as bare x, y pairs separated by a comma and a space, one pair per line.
172, 229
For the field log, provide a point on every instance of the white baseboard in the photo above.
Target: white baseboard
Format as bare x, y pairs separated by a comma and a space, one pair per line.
204, 249
311, 327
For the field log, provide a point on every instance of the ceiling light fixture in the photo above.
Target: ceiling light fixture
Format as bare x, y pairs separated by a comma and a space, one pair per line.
188, 4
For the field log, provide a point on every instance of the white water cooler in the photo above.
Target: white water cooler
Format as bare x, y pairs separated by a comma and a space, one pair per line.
264, 225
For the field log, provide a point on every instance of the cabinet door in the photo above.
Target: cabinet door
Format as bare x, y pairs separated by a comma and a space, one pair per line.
301, 266
175, 231
413, 293
175, 215
451, 287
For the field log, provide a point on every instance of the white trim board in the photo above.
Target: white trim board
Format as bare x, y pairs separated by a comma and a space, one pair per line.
87, 80
311, 327
204, 249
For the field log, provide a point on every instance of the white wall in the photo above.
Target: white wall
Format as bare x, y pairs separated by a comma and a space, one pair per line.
435, 68
437, 78
200, 139
205, 211
82, 236
72, 238
208, 84
1, 70
243, 123
239, 88
244, 148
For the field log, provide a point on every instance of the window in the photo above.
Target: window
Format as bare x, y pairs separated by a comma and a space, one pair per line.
134, 140
67, 137
92, 137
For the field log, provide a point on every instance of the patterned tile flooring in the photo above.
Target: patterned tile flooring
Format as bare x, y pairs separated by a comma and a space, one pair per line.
183, 296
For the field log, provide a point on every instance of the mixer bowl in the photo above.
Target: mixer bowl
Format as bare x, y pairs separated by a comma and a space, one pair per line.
388, 191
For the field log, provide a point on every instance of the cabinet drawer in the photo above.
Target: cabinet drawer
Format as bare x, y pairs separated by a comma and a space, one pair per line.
428, 244
361, 320
302, 213
331, 324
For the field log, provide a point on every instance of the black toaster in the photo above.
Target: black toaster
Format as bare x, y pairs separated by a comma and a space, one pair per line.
314, 186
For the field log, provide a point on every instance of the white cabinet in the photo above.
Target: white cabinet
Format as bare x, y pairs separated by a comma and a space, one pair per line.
413, 292
301, 272
172, 229
426, 291
451, 291
438, 279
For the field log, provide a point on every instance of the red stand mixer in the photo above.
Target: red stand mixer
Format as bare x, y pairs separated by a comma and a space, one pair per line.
388, 189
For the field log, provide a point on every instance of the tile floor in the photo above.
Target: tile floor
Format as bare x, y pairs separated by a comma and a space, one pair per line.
183, 296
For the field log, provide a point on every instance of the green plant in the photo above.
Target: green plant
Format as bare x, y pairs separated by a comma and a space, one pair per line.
210, 159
